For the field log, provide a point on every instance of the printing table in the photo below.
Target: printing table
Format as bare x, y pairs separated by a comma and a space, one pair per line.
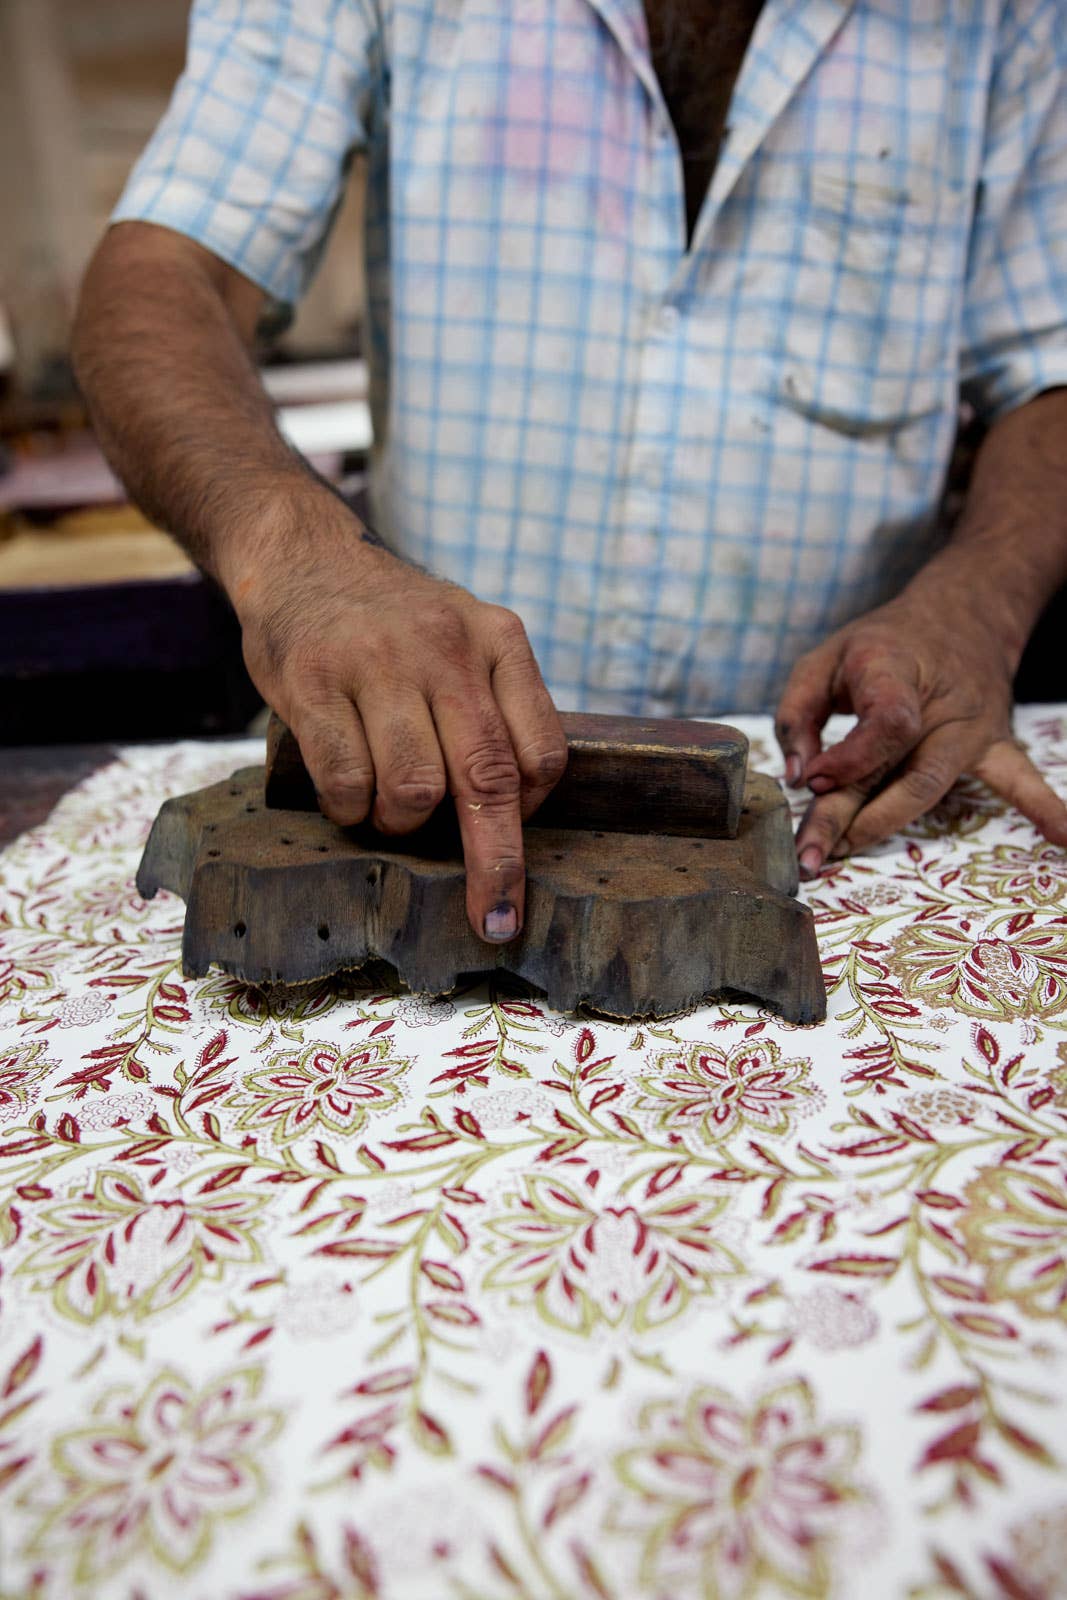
337, 1292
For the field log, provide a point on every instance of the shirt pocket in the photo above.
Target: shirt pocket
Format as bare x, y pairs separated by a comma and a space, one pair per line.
869, 343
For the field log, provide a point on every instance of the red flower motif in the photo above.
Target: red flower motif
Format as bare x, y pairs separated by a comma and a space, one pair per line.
714, 1092
127, 1249
155, 1474
323, 1087
750, 1498
612, 1264
991, 970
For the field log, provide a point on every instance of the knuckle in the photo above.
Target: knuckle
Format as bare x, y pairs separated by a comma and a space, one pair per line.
413, 791
901, 722
851, 769
507, 866
501, 873
508, 626
490, 772
869, 650
344, 781
926, 784
544, 762
336, 775
343, 791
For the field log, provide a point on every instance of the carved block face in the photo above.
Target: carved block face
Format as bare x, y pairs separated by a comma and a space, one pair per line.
627, 924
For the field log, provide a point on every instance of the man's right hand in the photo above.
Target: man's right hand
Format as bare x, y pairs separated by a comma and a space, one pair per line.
400, 687
396, 685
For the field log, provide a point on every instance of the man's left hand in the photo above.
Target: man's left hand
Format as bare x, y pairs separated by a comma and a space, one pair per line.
931, 687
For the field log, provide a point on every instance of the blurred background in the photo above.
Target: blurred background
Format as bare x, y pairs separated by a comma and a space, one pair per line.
106, 631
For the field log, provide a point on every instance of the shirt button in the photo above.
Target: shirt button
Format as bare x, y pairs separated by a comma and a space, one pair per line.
669, 318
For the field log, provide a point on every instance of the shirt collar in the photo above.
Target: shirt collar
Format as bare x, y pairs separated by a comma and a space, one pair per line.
788, 39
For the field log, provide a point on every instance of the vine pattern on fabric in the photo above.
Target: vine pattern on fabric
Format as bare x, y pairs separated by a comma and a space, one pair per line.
460, 1297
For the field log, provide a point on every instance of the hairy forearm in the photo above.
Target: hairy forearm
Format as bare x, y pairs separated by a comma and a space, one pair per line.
162, 358
1008, 550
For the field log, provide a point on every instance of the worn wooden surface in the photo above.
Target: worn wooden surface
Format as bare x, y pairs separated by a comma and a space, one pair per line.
624, 775
630, 925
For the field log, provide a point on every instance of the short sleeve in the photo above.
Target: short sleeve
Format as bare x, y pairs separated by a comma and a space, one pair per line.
1014, 327
250, 157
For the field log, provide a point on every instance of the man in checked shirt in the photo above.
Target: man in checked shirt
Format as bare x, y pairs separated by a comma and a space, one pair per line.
670, 308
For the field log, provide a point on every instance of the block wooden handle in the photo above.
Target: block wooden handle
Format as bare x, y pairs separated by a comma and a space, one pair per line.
624, 775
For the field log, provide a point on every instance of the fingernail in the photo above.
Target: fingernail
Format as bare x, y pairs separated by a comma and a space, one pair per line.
502, 923
810, 862
820, 784
792, 770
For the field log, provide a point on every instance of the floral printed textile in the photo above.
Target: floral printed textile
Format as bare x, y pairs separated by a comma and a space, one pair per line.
339, 1293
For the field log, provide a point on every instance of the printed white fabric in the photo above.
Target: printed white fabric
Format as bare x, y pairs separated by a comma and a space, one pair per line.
342, 1293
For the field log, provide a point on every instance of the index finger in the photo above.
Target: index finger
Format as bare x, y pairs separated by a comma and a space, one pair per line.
888, 729
805, 705
483, 777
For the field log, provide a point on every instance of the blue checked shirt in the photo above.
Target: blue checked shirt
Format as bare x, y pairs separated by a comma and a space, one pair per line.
681, 467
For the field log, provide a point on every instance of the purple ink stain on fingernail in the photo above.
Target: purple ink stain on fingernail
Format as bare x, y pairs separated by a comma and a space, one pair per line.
502, 923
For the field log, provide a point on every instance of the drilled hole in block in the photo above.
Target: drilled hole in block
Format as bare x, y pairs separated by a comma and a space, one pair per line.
373, 875
239, 930
322, 849
558, 856
284, 840
235, 791
681, 869
214, 852
598, 836
324, 932
250, 808
603, 880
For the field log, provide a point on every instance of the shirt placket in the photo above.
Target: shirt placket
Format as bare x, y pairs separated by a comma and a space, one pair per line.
637, 637
627, 641
636, 645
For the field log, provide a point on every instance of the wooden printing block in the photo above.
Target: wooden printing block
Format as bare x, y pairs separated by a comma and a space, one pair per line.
624, 775
659, 875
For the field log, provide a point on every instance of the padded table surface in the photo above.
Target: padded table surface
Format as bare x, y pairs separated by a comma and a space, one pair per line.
338, 1292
